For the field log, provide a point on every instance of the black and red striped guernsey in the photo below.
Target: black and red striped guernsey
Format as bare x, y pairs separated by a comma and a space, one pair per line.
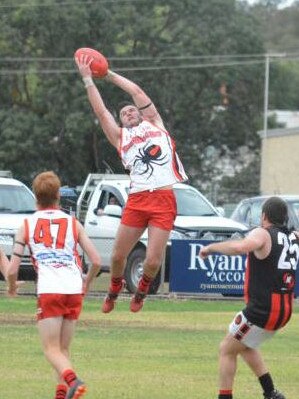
269, 282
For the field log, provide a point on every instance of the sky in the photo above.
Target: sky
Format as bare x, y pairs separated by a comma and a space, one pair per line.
284, 4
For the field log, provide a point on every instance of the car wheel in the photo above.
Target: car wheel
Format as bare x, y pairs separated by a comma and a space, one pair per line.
134, 270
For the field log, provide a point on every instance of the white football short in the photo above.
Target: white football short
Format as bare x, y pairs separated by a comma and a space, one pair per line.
247, 333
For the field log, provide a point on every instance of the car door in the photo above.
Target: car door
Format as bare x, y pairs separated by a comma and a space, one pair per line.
102, 228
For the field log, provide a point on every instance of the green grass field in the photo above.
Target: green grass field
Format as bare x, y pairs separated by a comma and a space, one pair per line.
167, 351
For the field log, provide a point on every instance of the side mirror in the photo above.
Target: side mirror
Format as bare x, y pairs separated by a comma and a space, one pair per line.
113, 210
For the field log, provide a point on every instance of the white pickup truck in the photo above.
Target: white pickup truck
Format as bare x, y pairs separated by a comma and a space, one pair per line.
196, 218
16, 202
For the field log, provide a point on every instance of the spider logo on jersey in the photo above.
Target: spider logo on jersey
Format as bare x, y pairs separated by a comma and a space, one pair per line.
148, 156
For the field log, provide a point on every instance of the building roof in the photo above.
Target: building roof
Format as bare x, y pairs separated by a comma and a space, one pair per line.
278, 132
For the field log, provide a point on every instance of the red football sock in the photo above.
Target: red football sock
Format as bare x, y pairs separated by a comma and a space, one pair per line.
69, 377
116, 284
144, 283
225, 394
61, 391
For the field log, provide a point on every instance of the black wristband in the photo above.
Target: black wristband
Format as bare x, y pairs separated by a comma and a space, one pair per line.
145, 106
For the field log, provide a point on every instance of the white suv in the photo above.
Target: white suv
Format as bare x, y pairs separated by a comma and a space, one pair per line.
16, 201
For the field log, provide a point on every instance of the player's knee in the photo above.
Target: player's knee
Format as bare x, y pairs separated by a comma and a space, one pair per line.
65, 351
228, 347
118, 258
152, 263
223, 348
51, 351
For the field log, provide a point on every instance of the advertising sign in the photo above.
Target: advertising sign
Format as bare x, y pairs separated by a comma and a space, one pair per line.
216, 274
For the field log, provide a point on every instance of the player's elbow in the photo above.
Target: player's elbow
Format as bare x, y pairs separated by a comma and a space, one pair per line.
96, 262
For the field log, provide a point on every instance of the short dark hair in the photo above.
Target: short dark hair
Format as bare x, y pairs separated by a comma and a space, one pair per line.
276, 211
123, 104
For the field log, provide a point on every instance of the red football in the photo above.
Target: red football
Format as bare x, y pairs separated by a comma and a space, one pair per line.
99, 64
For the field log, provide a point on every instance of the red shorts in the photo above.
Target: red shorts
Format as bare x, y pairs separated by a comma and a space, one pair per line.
56, 305
150, 208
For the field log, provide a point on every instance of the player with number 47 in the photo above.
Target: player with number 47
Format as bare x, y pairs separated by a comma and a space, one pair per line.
273, 253
52, 237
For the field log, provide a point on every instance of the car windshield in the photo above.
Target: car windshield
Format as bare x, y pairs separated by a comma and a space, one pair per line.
255, 214
16, 199
191, 203
294, 204
250, 212
68, 199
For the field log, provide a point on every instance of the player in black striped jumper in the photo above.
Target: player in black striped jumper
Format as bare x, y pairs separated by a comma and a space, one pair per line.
273, 253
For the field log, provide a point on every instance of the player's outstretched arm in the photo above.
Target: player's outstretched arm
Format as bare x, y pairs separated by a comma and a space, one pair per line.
139, 97
106, 119
256, 241
4, 263
14, 264
92, 254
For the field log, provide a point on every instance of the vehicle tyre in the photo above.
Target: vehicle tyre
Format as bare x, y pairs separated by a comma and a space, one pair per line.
134, 270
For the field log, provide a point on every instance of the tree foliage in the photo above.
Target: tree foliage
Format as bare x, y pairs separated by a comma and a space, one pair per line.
280, 31
45, 119
278, 26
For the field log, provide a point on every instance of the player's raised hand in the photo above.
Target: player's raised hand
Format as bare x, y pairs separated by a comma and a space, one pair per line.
91, 63
83, 63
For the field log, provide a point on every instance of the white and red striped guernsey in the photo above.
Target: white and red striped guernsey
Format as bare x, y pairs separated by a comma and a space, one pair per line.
52, 237
149, 154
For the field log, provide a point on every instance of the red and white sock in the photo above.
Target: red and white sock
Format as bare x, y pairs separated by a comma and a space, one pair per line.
61, 390
116, 285
69, 377
144, 283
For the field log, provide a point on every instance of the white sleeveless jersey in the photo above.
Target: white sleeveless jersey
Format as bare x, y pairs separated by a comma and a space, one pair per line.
51, 236
149, 154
